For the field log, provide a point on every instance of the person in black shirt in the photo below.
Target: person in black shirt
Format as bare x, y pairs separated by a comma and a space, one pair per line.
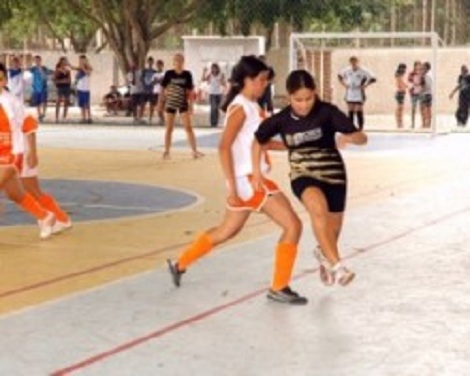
463, 87
178, 89
63, 83
308, 128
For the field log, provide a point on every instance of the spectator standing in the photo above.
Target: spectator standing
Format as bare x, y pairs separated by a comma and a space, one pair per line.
178, 88
16, 79
148, 85
400, 93
39, 90
157, 79
415, 79
63, 82
356, 80
216, 86
426, 98
266, 100
84, 71
463, 87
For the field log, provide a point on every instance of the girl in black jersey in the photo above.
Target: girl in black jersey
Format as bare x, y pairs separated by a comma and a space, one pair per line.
178, 89
308, 130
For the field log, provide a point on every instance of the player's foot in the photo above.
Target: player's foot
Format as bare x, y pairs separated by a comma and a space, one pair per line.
327, 277
175, 273
344, 276
286, 295
46, 225
61, 226
197, 155
166, 155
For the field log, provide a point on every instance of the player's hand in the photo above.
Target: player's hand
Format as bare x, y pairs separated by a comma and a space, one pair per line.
233, 200
257, 181
32, 160
342, 141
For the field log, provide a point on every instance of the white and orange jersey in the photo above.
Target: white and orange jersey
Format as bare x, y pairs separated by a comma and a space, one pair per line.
243, 143
14, 124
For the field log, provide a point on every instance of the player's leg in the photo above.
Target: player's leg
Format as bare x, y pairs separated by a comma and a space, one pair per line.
186, 119
15, 193
230, 226
280, 211
170, 115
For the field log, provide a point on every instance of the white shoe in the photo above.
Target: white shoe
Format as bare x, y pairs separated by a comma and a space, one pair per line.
46, 225
61, 227
326, 274
344, 276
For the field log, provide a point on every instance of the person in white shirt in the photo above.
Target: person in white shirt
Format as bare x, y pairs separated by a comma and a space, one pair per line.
157, 90
84, 70
426, 95
216, 86
355, 80
16, 79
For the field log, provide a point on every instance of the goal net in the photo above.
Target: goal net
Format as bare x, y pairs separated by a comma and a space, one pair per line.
327, 56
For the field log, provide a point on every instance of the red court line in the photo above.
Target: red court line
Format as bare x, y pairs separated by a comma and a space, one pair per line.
85, 271
206, 314
98, 268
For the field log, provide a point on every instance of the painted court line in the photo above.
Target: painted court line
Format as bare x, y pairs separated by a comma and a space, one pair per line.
213, 311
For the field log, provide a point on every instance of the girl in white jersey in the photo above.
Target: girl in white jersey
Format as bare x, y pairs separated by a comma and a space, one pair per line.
248, 81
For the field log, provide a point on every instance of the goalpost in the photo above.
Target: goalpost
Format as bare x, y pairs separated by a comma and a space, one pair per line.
326, 54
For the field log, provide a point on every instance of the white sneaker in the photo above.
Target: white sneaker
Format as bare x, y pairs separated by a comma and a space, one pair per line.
344, 276
61, 226
46, 225
327, 277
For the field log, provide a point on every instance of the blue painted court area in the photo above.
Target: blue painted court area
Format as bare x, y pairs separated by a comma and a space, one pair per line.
95, 200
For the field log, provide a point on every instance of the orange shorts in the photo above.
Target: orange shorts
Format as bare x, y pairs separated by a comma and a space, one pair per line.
11, 160
253, 200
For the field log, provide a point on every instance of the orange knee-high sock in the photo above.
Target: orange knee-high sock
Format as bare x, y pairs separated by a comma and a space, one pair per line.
284, 263
201, 246
30, 205
48, 202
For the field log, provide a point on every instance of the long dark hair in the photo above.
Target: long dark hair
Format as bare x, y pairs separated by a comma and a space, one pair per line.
247, 67
401, 70
300, 79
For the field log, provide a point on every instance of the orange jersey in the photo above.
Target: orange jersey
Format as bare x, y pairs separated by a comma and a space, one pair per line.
14, 125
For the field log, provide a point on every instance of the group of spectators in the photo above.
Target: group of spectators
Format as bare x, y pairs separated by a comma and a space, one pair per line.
66, 77
419, 84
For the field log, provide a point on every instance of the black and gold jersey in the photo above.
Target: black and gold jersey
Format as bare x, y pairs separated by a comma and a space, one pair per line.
310, 141
177, 86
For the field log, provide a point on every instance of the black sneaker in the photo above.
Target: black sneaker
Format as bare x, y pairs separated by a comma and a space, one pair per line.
175, 273
286, 295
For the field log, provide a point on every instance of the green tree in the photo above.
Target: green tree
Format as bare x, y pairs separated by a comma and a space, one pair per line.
131, 25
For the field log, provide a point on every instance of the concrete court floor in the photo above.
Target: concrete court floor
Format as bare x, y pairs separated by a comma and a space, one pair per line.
97, 300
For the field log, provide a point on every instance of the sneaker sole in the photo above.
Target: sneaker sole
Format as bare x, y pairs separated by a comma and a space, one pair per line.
326, 277
173, 273
276, 299
347, 280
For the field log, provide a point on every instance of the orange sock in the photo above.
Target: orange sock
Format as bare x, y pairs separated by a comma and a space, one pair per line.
50, 204
201, 246
283, 265
30, 205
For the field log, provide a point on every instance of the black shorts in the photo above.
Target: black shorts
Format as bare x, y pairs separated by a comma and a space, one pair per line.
181, 109
335, 194
150, 98
400, 97
137, 99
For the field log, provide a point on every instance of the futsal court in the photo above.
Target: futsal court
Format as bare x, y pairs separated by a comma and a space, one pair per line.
98, 300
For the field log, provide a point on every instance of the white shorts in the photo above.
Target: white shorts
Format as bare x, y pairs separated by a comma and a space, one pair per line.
253, 200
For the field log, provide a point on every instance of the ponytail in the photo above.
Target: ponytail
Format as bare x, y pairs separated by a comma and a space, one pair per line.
247, 67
